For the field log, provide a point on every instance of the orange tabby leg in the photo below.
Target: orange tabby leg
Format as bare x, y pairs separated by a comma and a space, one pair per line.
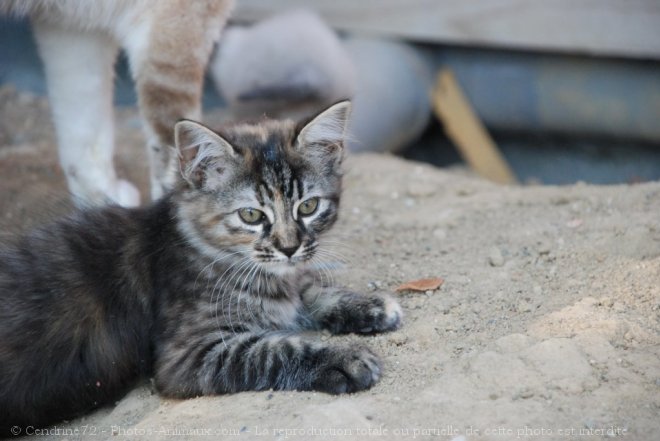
168, 58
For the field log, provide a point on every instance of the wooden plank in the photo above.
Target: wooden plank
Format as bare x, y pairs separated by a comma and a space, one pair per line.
628, 28
467, 132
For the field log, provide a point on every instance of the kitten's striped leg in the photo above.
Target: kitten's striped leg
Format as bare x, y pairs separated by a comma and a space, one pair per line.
226, 363
343, 311
79, 72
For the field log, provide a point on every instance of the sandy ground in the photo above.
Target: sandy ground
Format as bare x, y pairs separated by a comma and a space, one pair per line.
546, 327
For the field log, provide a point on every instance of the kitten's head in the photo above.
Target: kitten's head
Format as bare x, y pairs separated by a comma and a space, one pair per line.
264, 192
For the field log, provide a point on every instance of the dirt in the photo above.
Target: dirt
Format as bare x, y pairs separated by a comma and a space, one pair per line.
547, 325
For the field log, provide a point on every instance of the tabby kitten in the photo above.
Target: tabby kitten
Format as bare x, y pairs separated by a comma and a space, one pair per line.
209, 289
168, 44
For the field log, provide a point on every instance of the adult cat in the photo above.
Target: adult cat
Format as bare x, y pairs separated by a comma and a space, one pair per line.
168, 43
208, 289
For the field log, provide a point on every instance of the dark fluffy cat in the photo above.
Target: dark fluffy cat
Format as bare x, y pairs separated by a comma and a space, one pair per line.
207, 289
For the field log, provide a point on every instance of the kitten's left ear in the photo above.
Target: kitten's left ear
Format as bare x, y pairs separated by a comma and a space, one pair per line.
325, 133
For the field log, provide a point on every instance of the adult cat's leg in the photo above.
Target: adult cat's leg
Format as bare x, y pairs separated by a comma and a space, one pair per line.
168, 55
79, 72
343, 311
224, 362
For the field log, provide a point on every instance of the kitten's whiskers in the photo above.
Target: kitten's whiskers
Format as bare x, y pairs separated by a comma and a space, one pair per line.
241, 288
235, 276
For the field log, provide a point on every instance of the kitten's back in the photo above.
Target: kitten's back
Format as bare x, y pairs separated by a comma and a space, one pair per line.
67, 292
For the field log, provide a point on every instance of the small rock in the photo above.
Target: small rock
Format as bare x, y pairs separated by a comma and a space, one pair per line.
495, 257
397, 338
420, 189
523, 307
560, 200
465, 191
589, 423
543, 247
525, 393
374, 285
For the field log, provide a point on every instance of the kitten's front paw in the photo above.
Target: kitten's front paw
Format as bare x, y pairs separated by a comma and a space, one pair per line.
388, 314
348, 369
368, 313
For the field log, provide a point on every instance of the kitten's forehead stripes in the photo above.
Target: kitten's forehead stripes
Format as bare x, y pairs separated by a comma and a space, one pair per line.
276, 173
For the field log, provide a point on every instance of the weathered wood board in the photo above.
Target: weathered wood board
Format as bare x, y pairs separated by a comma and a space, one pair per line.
628, 28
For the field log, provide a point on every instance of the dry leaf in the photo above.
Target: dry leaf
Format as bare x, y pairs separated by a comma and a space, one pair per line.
421, 285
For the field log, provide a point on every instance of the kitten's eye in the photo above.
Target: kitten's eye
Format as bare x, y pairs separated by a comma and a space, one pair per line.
251, 216
308, 207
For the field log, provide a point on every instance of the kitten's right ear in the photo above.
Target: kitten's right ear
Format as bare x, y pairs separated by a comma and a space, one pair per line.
201, 151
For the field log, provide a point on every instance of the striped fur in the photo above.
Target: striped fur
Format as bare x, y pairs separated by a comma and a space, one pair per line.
186, 291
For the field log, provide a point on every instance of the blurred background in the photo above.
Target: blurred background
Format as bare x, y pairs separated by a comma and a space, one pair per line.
567, 90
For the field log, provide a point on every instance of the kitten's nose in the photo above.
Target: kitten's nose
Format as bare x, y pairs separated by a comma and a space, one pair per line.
289, 251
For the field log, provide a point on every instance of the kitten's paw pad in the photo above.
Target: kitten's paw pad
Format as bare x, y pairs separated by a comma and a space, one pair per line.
351, 370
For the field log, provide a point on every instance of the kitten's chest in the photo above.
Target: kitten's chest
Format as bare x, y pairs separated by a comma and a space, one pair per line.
249, 309
280, 313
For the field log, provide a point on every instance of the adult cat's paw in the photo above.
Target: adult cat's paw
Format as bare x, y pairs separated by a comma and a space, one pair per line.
126, 194
346, 370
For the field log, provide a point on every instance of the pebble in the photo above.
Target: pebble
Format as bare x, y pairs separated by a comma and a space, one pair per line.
397, 338
374, 285
524, 393
495, 257
420, 189
589, 423
543, 247
523, 307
